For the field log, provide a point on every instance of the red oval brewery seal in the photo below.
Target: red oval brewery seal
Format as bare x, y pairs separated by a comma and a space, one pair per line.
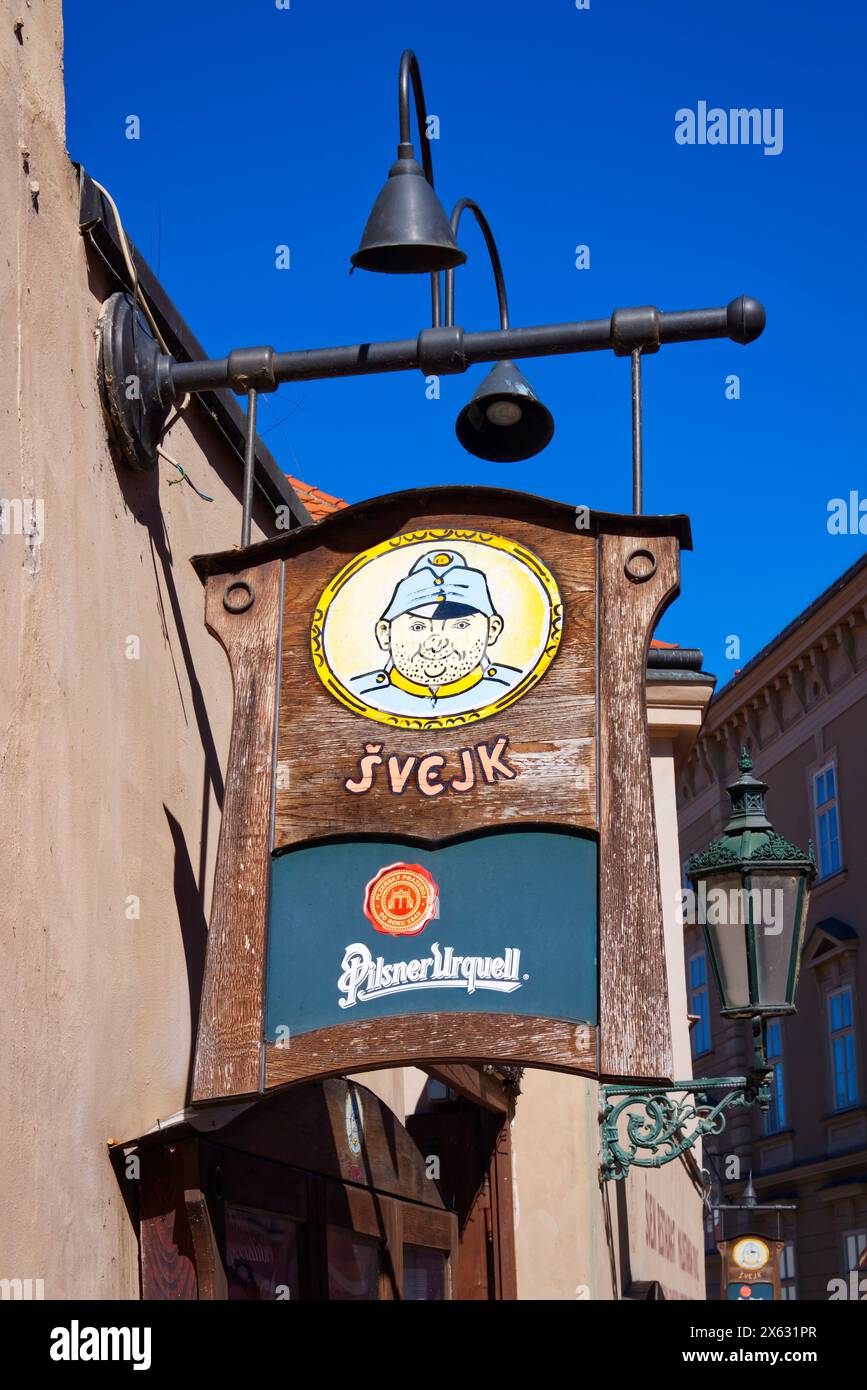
401, 899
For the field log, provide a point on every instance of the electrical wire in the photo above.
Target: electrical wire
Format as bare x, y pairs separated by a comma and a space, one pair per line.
139, 300
131, 267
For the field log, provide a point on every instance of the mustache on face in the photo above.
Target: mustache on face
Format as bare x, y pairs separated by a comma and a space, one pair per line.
442, 653
425, 655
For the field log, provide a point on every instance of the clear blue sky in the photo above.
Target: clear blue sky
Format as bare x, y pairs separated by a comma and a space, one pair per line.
262, 126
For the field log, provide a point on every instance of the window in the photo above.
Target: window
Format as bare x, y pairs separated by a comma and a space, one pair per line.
788, 1283
826, 812
699, 1004
709, 1233
844, 1080
262, 1254
354, 1266
775, 1119
854, 1247
425, 1273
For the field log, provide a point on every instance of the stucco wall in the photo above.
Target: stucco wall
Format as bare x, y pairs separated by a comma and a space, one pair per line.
577, 1238
106, 762
665, 803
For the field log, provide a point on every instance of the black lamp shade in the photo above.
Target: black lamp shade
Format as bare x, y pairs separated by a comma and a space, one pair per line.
407, 232
505, 421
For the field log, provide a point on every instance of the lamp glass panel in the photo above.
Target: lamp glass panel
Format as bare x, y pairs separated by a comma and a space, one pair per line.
725, 928
778, 932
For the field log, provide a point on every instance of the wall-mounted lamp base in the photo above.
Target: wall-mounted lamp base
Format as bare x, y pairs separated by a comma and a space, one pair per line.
135, 383
655, 1118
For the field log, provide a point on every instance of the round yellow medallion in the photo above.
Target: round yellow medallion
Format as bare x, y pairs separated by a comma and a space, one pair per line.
751, 1253
436, 628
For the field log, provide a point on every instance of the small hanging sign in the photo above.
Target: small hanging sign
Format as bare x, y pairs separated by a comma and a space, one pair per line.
751, 1268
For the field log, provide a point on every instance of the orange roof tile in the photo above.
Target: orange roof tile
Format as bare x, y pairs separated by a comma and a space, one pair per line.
318, 503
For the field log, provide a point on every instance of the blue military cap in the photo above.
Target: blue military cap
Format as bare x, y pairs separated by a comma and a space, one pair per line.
441, 576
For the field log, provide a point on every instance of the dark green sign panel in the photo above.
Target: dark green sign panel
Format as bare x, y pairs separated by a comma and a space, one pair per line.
500, 923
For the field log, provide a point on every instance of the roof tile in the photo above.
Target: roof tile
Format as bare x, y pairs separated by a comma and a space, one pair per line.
318, 503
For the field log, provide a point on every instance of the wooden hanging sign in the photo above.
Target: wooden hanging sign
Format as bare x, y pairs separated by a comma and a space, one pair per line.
751, 1268
438, 840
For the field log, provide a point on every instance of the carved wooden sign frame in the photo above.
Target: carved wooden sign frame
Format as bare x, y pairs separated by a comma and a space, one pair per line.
438, 839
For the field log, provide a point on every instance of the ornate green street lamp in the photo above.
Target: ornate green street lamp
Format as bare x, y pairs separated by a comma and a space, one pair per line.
752, 890
752, 893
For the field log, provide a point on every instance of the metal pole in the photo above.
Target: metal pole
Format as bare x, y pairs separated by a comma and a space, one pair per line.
410, 75
760, 1050
636, 433
464, 205
249, 460
441, 349
493, 345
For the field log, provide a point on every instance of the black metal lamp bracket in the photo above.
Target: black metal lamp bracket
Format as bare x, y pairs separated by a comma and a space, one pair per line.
139, 383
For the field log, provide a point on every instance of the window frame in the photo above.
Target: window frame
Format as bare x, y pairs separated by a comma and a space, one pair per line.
777, 1066
846, 1030
788, 1282
703, 1024
819, 811
858, 1233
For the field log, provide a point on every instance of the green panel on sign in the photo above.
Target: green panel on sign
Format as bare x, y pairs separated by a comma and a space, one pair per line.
515, 931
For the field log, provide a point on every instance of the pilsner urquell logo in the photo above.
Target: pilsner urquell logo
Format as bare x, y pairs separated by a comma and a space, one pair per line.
365, 977
401, 899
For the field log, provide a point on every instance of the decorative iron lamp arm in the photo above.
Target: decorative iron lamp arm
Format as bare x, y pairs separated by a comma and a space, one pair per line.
655, 1118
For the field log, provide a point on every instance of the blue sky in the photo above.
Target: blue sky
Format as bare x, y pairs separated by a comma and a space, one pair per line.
262, 126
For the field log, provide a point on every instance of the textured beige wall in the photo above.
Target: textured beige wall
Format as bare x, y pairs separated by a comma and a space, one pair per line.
670, 876
106, 762
564, 1238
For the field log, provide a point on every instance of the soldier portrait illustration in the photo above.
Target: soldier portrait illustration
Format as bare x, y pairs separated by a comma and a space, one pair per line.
431, 629
437, 635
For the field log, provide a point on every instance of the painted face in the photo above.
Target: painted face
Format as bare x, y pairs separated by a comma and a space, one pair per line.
436, 651
751, 1254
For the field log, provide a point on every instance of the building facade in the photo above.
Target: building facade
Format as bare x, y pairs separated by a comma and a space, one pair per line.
800, 708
